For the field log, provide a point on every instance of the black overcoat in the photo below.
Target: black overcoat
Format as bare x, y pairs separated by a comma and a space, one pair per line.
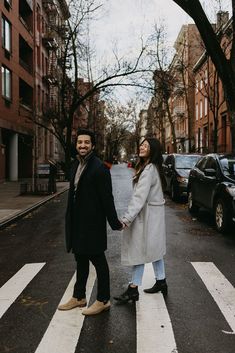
88, 209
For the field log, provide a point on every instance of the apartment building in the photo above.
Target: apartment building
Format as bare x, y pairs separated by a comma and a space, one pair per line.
189, 48
212, 128
32, 35
171, 110
50, 35
17, 89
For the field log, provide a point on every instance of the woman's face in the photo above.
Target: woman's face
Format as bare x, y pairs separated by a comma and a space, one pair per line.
144, 151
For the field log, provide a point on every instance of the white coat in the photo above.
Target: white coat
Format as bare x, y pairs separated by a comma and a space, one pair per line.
144, 238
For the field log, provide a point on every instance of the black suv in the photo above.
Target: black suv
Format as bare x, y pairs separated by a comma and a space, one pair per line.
212, 186
176, 168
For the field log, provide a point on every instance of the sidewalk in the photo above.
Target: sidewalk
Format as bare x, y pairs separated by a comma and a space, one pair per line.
13, 205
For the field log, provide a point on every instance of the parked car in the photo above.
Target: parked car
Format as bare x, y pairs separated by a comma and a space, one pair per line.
176, 169
212, 186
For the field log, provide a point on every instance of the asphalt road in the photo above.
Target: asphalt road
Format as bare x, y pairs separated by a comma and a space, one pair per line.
199, 323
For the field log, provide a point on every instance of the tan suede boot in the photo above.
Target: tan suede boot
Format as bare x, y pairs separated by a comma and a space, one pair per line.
73, 303
96, 308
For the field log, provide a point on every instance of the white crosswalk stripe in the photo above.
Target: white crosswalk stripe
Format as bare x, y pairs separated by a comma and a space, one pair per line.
220, 288
154, 332
16, 284
154, 329
65, 327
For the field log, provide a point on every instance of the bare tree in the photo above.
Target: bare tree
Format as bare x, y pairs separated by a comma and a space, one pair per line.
75, 59
163, 79
122, 133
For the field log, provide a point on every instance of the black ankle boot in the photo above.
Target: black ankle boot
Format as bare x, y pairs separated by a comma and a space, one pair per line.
159, 286
131, 293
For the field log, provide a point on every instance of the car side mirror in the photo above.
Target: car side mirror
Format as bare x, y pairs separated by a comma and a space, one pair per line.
210, 172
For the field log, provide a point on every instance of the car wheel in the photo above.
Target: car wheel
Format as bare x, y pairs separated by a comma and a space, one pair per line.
191, 204
221, 216
174, 192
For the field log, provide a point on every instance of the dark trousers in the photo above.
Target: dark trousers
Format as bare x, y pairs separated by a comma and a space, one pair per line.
102, 271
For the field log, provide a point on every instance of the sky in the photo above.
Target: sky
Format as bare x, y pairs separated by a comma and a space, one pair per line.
124, 22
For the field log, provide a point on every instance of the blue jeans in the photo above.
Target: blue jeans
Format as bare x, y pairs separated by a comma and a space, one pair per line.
138, 270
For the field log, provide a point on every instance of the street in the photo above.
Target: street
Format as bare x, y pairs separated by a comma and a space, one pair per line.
198, 315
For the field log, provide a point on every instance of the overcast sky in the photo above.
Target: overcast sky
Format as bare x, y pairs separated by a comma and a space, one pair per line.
124, 22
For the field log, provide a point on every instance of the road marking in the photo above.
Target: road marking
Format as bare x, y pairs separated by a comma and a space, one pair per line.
64, 329
16, 284
154, 329
220, 288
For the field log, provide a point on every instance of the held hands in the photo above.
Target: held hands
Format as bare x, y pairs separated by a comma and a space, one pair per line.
123, 225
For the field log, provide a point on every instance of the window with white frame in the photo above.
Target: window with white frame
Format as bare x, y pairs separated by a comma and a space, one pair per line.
206, 77
205, 105
201, 84
196, 111
196, 140
6, 34
6, 83
196, 86
200, 113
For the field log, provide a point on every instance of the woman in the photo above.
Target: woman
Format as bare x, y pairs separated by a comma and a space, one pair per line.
144, 237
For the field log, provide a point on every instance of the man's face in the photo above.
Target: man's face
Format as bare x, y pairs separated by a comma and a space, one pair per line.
84, 145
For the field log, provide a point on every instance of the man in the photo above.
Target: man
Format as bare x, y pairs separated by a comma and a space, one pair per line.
90, 203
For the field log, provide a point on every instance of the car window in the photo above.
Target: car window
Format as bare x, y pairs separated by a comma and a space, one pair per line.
211, 163
201, 163
185, 162
228, 165
168, 160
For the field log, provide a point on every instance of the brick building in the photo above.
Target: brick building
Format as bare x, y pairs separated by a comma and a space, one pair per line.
188, 46
212, 128
28, 57
17, 84
50, 33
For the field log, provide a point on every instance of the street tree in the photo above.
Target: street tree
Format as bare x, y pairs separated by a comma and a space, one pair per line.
225, 66
76, 60
122, 130
163, 81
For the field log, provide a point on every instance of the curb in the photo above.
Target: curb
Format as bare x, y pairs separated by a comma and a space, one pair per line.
23, 213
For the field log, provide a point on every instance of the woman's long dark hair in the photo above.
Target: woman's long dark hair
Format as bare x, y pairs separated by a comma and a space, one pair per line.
155, 158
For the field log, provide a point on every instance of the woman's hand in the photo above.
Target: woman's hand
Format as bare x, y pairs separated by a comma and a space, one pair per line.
123, 225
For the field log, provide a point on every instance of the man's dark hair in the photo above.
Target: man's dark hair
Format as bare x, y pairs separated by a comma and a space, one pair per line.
87, 132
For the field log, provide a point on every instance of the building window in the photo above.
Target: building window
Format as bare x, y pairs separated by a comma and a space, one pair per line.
201, 84
196, 111
7, 4
196, 86
6, 83
196, 141
206, 77
6, 34
38, 57
200, 109
205, 105
38, 19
